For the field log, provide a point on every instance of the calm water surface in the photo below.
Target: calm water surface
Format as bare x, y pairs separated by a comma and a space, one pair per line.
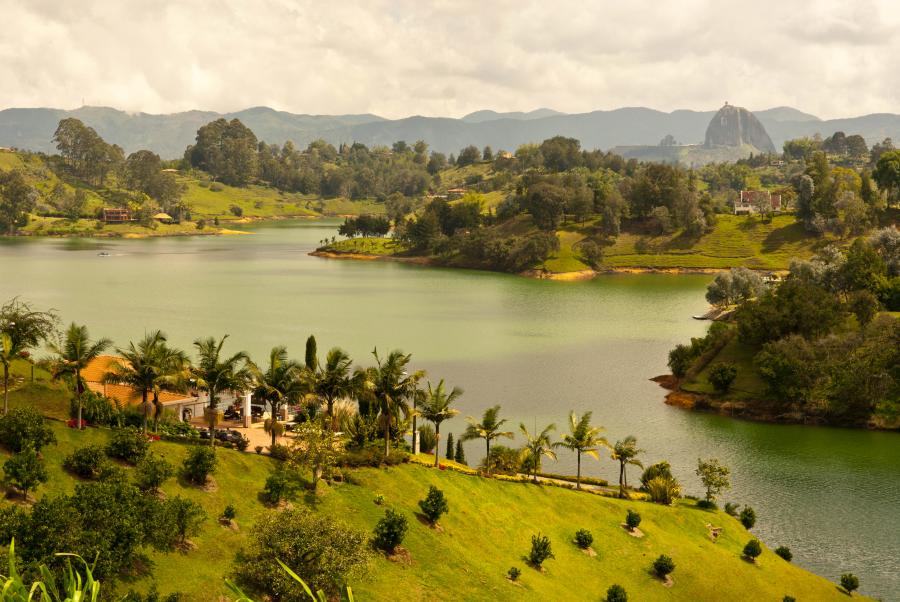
537, 348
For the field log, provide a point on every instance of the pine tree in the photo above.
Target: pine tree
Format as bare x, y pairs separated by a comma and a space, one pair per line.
450, 448
460, 454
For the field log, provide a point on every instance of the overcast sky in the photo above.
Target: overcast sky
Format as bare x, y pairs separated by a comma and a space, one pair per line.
400, 58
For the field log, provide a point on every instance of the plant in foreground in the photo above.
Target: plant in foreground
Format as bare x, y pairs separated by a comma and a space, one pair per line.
784, 552
74, 587
434, 504
663, 566
616, 593
583, 539
541, 550
752, 550
849, 582
632, 520
319, 596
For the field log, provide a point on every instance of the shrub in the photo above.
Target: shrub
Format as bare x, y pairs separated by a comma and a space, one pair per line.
322, 551
753, 549
541, 550
660, 469
199, 463
784, 552
280, 485
747, 517
151, 472
722, 375
229, 512
434, 504
680, 360
95, 409
25, 427
280, 452
390, 531
242, 444
216, 187
789, 599
25, 471
849, 582
427, 439
127, 444
707, 504
379, 499
236, 210
514, 573
583, 539
731, 509
259, 449
664, 490
616, 593
460, 455
662, 566
183, 518
86, 462
632, 520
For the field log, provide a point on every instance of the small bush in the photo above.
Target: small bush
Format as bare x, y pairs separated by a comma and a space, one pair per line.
731, 509
279, 486
229, 512
86, 462
789, 599
25, 471
379, 499
662, 566
784, 552
390, 531
707, 505
127, 444
199, 464
514, 573
280, 452
616, 593
151, 472
583, 539
722, 375
242, 444
632, 520
216, 187
747, 517
259, 449
663, 489
25, 428
427, 439
236, 210
541, 550
849, 582
753, 549
434, 504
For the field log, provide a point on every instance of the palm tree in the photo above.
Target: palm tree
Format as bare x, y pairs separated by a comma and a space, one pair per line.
436, 409
21, 328
391, 386
148, 367
537, 446
488, 429
583, 439
75, 353
278, 385
8, 352
330, 382
215, 374
625, 452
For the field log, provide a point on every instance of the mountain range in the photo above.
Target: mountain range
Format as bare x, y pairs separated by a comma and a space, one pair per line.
169, 134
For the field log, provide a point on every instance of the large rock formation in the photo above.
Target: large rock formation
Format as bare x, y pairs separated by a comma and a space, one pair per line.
736, 126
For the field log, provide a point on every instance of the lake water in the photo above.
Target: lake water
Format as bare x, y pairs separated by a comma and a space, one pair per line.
538, 348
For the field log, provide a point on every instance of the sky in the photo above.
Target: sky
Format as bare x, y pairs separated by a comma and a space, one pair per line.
414, 57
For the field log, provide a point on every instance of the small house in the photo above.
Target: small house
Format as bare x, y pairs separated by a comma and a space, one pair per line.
757, 201
163, 218
115, 215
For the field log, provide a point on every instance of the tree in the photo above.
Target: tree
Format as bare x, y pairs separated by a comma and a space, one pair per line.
332, 382
721, 375
21, 328
278, 385
752, 550
183, 517
887, 174
583, 439
537, 446
436, 409
25, 470
460, 455
25, 427
390, 531
214, 374
663, 566
488, 429
468, 156
392, 387
541, 550
317, 449
450, 448
151, 472
199, 463
616, 593
148, 367
434, 505
73, 355
714, 476
227, 150
625, 452
17, 200
849, 582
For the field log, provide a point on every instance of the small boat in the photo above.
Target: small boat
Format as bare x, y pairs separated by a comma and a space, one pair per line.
103, 254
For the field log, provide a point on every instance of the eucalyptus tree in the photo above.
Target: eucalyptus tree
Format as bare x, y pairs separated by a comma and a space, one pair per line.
330, 381
149, 366
488, 429
436, 409
21, 328
583, 439
537, 446
74, 353
391, 386
278, 385
625, 452
215, 373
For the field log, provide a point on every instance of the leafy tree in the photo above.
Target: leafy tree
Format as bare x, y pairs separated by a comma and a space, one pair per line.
151, 472
460, 455
390, 531
215, 373
784, 552
25, 470
21, 328
747, 517
752, 550
280, 485
86, 462
199, 464
73, 355
227, 150
541, 550
592, 253
24, 428
391, 387
468, 156
714, 476
663, 566
616, 593
561, 153
583, 438
632, 520
488, 429
17, 200
660, 469
887, 174
434, 505
722, 375
625, 452
128, 444
546, 202
680, 360
183, 517
733, 286
278, 385
316, 450
537, 446
849, 582
583, 539
436, 409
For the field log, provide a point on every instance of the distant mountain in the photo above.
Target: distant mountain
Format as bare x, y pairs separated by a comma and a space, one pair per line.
736, 126
168, 135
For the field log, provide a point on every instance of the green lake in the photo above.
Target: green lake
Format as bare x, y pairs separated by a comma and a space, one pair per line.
538, 348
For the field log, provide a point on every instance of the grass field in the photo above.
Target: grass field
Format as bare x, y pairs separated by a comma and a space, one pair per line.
368, 246
487, 530
747, 385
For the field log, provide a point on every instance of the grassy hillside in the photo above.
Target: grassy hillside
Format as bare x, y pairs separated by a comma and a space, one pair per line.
487, 530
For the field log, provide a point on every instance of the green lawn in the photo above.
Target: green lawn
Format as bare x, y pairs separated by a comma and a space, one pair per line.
567, 259
747, 385
367, 246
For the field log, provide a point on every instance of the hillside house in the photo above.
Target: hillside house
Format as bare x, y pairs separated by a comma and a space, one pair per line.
115, 216
756, 201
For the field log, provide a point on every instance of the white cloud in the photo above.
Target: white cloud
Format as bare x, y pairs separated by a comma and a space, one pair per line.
449, 58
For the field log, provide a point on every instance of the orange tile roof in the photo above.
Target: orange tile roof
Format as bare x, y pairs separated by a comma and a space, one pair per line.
94, 372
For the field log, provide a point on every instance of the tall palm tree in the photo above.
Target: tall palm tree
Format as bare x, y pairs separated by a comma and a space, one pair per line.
391, 386
8, 352
436, 409
148, 367
215, 374
74, 354
21, 329
331, 381
488, 429
537, 446
278, 385
583, 439
625, 452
